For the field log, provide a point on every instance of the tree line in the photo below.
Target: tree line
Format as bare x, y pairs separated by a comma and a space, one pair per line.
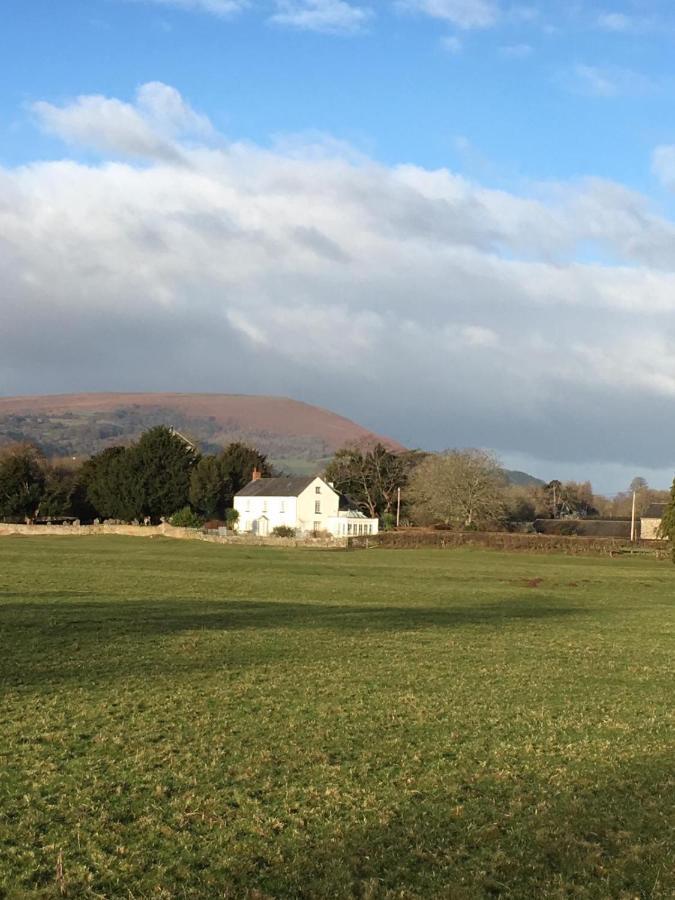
468, 489
155, 478
163, 475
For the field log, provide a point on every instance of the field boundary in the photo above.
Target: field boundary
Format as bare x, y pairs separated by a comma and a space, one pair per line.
169, 531
427, 539
407, 539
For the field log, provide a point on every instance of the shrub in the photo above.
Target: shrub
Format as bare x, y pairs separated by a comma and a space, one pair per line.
231, 517
568, 529
186, 518
284, 531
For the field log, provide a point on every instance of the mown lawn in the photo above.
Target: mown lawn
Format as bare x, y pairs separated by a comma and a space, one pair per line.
187, 720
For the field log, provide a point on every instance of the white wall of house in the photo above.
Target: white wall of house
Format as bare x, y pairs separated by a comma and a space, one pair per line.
262, 514
308, 512
316, 505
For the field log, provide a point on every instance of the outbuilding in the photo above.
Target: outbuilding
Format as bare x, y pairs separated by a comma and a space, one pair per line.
650, 522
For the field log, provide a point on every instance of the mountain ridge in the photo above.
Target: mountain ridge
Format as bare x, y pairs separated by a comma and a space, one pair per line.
295, 435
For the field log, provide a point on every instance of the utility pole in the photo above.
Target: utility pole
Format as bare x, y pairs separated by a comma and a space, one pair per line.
398, 506
632, 521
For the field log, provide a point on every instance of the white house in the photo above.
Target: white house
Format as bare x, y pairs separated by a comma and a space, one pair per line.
306, 503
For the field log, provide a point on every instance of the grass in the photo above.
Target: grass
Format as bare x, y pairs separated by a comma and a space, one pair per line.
182, 720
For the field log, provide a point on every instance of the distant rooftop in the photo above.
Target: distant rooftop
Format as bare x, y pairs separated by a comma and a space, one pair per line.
286, 486
655, 511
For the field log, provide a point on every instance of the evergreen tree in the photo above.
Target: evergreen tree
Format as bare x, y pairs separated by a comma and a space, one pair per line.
208, 487
22, 482
237, 462
162, 463
65, 492
668, 522
59, 487
113, 485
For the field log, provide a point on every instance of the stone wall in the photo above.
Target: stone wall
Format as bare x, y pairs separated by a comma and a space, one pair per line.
166, 530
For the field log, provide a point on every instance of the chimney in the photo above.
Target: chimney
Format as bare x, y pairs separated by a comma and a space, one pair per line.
256, 475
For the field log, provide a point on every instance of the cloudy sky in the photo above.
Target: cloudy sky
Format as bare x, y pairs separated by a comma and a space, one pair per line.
451, 220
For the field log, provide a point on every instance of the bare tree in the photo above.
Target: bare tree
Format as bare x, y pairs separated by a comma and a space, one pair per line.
464, 488
371, 476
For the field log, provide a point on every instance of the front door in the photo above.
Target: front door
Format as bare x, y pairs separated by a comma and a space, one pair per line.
263, 526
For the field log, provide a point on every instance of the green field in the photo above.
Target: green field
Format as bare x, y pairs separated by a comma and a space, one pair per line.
190, 720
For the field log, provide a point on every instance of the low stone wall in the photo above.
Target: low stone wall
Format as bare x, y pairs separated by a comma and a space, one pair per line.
129, 530
166, 530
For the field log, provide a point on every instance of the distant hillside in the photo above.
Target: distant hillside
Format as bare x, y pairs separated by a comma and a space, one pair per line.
296, 436
522, 479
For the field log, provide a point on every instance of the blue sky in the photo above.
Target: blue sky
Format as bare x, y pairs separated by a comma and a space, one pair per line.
484, 187
539, 94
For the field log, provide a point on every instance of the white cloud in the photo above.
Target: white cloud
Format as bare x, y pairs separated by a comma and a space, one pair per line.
525, 14
615, 21
146, 129
596, 81
452, 44
327, 16
516, 51
479, 336
222, 8
663, 164
607, 81
165, 109
443, 311
621, 23
462, 13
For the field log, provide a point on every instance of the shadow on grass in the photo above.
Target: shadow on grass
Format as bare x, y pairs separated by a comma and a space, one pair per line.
61, 639
161, 617
606, 833
591, 832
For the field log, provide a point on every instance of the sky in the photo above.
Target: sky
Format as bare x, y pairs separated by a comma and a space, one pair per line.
450, 220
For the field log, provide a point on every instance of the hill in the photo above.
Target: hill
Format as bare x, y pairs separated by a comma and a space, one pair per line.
522, 479
296, 436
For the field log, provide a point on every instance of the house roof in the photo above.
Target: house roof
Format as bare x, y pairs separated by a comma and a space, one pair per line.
286, 486
655, 511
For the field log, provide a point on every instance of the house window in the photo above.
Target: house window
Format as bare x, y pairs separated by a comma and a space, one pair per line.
317, 527
317, 507
248, 506
349, 528
282, 506
317, 489
264, 506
